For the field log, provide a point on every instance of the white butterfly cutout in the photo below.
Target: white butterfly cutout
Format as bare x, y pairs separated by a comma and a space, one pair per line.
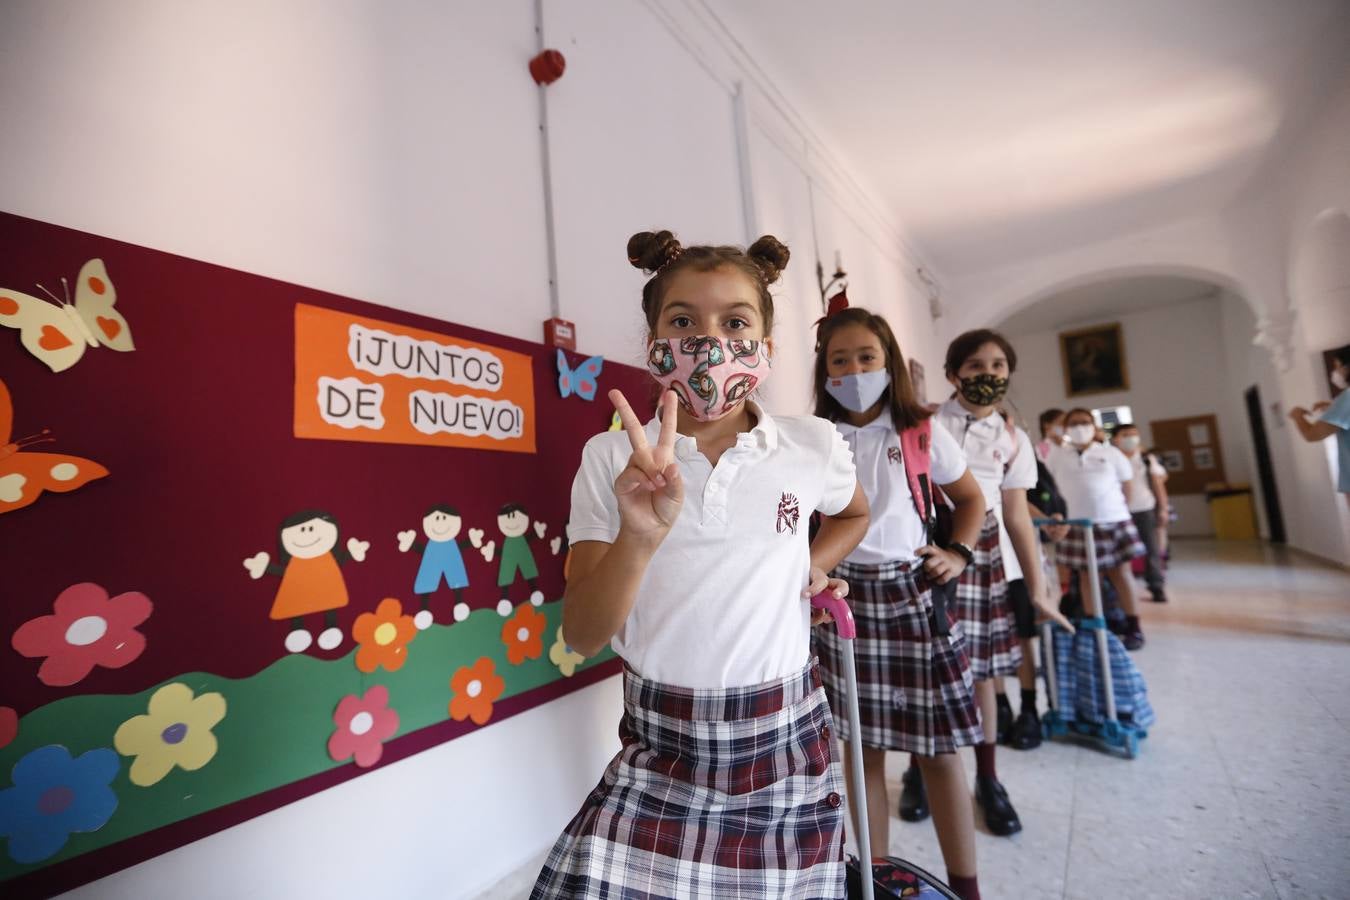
58, 333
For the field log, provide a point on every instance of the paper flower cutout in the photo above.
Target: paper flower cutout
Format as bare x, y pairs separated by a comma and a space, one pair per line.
363, 725
9, 726
523, 635
564, 657
86, 629
176, 732
475, 688
55, 796
384, 636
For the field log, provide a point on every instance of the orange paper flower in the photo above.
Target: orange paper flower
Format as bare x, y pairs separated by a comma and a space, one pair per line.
384, 636
475, 688
523, 635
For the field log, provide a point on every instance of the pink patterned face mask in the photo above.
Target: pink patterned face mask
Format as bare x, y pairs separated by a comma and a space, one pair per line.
710, 378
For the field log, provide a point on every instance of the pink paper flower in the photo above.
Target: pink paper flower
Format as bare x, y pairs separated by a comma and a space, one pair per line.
363, 725
87, 629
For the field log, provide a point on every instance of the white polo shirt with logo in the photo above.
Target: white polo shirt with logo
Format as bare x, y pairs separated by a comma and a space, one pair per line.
721, 604
896, 530
1141, 491
1090, 481
999, 460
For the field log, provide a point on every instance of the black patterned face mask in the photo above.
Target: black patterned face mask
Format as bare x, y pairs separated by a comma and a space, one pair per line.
984, 389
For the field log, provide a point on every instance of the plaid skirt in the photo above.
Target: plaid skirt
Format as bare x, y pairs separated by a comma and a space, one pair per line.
983, 611
914, 687
715, 793
1117, 543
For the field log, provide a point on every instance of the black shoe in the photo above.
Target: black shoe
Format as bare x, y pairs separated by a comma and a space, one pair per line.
1133, 639
913, 797
1158, 596
1005, 718
1025, 733
999, 815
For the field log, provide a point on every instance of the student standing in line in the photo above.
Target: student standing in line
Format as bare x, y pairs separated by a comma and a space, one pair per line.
691, 557
1145, 507
1052, 432
1095, 478
914, 683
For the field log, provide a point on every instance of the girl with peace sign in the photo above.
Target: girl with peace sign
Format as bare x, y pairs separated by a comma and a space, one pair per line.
690, 557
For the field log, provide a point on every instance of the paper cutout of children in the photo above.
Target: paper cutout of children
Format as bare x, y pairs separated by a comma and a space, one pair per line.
516, 556
441, 559
311, 578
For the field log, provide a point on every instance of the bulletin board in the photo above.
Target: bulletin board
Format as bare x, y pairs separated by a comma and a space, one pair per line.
257, 539
1189, 448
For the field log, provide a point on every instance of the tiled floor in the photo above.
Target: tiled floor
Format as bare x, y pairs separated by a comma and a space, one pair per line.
1242, 788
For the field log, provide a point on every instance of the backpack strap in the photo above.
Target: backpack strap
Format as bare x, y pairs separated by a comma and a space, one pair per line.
916, 449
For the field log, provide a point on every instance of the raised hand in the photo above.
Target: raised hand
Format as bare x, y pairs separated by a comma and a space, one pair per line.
650, 491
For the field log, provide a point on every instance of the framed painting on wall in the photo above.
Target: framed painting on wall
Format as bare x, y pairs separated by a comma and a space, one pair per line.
1094, 360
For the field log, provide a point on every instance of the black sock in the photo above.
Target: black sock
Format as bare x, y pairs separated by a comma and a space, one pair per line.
1029, 701
1002, 700
1132, 623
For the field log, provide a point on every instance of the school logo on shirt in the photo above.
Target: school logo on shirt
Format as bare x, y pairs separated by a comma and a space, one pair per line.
789, 512
893, 455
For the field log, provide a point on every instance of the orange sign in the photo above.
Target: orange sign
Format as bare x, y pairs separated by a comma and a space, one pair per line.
359, 379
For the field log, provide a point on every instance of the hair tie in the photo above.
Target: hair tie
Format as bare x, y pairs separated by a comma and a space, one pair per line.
838, 303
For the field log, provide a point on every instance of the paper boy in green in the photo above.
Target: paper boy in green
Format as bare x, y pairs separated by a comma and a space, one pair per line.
516, 556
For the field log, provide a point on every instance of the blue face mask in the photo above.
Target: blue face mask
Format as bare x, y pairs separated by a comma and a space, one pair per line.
859, 392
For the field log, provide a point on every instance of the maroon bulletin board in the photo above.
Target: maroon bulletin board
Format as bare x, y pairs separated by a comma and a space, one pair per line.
195, 428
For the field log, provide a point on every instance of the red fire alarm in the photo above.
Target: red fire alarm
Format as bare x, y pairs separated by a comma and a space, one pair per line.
547, 67
560, 333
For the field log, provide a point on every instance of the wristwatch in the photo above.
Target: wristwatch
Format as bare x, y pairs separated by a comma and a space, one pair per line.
965, 552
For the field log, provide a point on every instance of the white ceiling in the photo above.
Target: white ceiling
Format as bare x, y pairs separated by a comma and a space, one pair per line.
1082, 305
978, 119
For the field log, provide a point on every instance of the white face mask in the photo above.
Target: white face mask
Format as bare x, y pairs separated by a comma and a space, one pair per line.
859, 392
1082, 434
1130, 444
1338, 379
1056, 432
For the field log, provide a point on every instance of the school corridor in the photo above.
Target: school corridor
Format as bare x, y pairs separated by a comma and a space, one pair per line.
1239, 792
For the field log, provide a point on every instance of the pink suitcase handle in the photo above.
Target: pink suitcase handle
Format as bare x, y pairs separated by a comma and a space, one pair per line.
838, 608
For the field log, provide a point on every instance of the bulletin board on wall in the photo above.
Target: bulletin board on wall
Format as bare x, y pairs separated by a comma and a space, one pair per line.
257, 539
1190, 451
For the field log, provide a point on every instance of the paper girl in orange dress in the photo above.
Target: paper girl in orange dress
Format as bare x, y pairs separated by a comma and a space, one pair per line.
311, 580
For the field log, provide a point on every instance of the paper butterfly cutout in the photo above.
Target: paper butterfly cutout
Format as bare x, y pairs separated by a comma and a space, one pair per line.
24, 475
581, 380
57, 333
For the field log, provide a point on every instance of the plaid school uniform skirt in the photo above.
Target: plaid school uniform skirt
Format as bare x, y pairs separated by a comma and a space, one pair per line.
1117, 543
716, 793
914, 687
983, 610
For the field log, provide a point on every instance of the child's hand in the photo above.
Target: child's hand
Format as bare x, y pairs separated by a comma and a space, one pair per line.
405, 540
941, 566
357, 549
1048, 606
476, 538
819, 581
1056, 533
650, 490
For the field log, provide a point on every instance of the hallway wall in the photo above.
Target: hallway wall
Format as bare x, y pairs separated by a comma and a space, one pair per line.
1177, 366
390, 152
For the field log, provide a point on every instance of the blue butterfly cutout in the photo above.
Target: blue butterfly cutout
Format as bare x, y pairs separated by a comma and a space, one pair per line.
581, 380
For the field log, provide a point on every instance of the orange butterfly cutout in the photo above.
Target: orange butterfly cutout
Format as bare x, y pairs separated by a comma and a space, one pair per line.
24, 475
59, 333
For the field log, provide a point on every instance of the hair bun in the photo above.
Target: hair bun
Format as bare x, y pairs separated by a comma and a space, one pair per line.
770, 255
650, 250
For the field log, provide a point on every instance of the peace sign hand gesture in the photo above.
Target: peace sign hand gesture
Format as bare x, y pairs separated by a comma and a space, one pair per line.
650, 491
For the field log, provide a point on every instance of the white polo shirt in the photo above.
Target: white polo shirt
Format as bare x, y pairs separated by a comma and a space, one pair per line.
721, 604
896, 530
1141, 490
1090, 481
999, 461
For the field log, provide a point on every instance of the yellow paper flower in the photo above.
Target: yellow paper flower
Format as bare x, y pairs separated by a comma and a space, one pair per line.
563, 656
177, 732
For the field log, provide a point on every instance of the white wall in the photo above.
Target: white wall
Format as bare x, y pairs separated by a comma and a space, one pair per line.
1178, 366
390, 152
